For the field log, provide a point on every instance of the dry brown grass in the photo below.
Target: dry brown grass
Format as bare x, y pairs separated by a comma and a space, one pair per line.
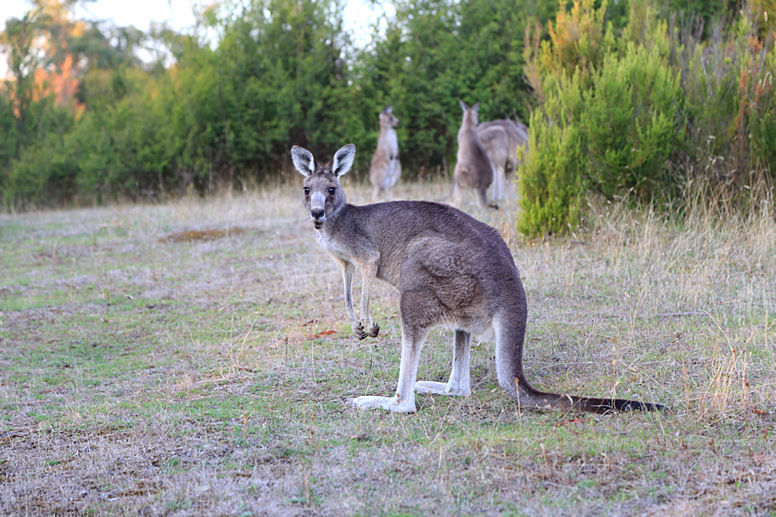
144, 374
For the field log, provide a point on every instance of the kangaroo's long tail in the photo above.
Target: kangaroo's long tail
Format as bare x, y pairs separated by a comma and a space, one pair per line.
536, 398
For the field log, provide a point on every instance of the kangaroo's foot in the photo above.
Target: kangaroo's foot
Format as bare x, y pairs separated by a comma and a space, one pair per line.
441, 388
389, 403
374, 330
494, 206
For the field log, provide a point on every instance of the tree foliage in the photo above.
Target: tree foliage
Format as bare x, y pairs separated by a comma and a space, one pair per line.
617, 94
227, 109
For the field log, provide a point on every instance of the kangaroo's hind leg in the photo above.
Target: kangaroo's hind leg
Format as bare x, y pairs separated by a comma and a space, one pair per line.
459, 383
482, 198
404, 400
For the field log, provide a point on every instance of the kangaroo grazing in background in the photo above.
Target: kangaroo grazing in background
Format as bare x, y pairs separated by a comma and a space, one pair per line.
386, 168
450, 269
495, 142
472, 166
501, 140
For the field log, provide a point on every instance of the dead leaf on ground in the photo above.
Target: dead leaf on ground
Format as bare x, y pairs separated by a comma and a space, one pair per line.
324, 333
202, 235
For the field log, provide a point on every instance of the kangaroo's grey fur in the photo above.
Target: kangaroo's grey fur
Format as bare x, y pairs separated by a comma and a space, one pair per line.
450, 269
495, 142
385, 169
472, 167
501, 140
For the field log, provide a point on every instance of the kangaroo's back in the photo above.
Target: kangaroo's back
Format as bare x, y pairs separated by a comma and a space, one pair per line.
478, 249
472, 167
517, 134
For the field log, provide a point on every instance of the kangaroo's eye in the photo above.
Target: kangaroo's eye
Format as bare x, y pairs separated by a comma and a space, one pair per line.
332, 190
307, 191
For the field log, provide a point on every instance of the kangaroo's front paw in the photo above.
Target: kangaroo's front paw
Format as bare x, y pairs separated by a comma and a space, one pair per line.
358, 330
374, 330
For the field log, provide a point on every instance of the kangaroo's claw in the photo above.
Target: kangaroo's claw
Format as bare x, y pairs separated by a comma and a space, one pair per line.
358, 330
374, 330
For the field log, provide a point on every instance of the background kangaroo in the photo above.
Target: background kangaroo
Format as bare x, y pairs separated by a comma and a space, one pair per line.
495, 142
450, 270
386, 168
501, 140
472, 166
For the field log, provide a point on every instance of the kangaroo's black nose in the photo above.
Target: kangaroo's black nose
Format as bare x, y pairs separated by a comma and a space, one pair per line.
316, 213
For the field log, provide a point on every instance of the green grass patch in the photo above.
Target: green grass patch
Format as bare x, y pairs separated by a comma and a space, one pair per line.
212, 375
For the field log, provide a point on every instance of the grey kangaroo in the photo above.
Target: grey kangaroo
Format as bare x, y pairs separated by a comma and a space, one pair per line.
450, 269
501, 139
495, 142
472, 166
385, 170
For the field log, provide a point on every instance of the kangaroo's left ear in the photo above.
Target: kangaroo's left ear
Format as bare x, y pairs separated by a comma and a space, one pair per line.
303, 160
343, 159
476, 107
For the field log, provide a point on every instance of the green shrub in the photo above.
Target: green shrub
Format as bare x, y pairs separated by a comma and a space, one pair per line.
610, 134
630, 122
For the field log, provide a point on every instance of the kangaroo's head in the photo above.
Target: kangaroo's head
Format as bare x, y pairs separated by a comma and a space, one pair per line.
471, 116
387, 120
323, 196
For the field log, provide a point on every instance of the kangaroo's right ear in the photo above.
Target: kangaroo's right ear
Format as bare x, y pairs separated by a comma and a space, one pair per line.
464, 107
388, 110
343, 160
303, 160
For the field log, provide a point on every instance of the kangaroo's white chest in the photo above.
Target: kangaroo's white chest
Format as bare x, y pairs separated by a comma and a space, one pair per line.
331, 245
391, 142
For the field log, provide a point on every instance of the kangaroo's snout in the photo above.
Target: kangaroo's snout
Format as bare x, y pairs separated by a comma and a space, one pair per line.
317, 210
318, 216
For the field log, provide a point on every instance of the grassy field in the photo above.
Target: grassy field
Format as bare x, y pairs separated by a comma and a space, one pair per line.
193, 358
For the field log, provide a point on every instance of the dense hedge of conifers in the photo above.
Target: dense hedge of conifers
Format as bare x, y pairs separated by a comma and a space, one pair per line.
630, 100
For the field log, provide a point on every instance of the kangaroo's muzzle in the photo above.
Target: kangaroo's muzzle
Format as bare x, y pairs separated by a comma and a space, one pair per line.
318, 216
317, 212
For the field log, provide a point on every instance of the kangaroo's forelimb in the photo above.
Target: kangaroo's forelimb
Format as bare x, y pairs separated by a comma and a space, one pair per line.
368, 272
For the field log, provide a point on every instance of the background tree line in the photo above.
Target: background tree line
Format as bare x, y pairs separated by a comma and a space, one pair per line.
224, 103
627, 98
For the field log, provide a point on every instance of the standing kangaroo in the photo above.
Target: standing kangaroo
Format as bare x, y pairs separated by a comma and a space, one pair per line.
450, 269
472, 166
386, 168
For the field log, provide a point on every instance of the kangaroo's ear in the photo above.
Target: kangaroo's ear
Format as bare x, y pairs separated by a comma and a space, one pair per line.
388, 110
303, 160
476, 107
343, 160
464, 107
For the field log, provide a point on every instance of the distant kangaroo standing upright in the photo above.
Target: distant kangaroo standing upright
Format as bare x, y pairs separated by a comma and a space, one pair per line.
472, 166
450, 269
386, 168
